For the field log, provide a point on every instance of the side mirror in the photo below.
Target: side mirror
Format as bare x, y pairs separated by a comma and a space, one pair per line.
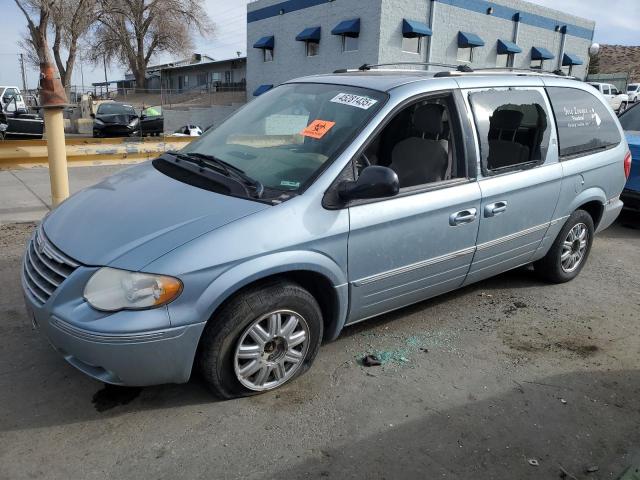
374, 182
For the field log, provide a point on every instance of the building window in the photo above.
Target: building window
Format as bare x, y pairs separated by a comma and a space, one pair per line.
267, 55
505, 60
465, 54
228, 76
412, 44
349, 44
537, 64
313, 49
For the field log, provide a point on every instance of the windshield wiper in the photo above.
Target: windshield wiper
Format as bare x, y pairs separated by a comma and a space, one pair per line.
203, 160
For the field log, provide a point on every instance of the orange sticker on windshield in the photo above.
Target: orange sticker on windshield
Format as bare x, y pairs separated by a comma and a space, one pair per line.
317, 129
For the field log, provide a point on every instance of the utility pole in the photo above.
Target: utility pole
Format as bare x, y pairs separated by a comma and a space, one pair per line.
106, 82
81, 74
24, 76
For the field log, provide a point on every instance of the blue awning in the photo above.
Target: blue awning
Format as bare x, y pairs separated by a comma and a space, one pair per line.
571, 59
505, 47
311, 34
412, 29
348, 28
466, 40
266, 43
261, 89
539, 53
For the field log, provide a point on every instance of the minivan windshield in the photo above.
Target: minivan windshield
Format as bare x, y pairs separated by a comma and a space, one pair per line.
632, 88
115, 109
284, 137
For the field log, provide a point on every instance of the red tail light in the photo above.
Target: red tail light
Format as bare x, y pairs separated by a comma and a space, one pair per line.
627, 165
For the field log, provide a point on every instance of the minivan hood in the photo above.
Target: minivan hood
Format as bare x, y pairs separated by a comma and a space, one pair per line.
138, 215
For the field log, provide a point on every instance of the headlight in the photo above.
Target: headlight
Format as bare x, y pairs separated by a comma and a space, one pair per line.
110, 289
98, 121
134, 122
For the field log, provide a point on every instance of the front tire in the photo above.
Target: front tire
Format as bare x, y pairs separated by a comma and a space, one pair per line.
261, 339
570, 250
622, 108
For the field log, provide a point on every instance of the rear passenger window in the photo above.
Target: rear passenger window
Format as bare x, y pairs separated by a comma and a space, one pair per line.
584, 123
513, 129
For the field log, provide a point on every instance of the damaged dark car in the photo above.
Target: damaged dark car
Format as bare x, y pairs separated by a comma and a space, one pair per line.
115, 120
17, 123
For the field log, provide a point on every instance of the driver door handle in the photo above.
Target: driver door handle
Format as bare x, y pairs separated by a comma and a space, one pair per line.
462, 217
494, 209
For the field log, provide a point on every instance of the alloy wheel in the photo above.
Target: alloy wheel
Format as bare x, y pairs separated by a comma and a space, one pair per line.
271, 350
574, 247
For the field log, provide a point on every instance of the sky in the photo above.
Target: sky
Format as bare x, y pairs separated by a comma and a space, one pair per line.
615, 24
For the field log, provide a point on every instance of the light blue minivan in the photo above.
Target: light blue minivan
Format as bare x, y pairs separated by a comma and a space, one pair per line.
326, 201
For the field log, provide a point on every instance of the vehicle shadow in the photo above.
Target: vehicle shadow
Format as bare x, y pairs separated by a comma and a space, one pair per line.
537, 429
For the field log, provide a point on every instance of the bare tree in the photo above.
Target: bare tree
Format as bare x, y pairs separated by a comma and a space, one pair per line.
71, 20
68, 20
131, 32
38, 14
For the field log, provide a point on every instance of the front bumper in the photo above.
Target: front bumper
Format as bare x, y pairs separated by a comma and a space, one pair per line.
115, 130
149, 356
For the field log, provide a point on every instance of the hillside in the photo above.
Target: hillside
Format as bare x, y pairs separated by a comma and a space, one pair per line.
619, 58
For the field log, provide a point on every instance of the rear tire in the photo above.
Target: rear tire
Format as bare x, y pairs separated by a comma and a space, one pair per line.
570, 250
235, 361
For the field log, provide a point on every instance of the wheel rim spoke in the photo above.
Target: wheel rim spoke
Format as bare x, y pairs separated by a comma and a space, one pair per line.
259, 334
250, 368
289, 327
293, 356
274, 325
263, 375
249, 352
279, 371
297, 338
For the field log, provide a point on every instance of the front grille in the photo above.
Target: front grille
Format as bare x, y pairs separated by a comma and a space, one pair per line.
45, 267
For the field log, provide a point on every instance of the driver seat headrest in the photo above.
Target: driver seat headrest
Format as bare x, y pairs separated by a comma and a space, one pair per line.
428, 119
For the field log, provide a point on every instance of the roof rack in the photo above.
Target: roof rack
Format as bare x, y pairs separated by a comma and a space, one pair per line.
369, 66
498, 70
457, 69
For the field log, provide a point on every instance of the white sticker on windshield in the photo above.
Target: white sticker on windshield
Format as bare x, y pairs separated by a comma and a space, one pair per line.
286, 183
358, 101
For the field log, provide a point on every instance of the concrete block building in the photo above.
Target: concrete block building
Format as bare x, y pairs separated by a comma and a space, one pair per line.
293, 38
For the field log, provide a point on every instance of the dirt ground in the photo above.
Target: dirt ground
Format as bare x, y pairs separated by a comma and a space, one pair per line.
507, 379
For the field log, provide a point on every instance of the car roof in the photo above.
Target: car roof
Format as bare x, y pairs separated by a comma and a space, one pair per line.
385, 80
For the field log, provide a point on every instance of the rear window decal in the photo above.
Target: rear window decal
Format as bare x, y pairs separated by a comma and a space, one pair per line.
358, 101
317, 129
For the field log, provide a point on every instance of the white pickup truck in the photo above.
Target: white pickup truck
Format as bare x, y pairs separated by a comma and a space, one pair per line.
8, 92
618, 100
